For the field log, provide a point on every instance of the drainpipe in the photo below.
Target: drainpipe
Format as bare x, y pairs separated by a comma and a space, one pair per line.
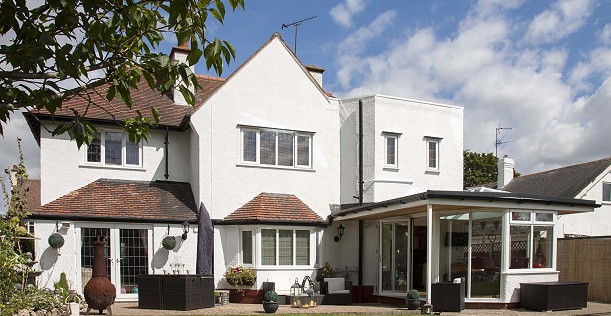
167, 154
360, 274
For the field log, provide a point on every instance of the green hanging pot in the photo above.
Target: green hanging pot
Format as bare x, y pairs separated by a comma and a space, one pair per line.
169, 242
56, 240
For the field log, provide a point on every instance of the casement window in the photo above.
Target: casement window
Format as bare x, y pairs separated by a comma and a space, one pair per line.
282, 148
391, 150
113, 149
531, 237
247, 247
606, 192
285, 247
432, 153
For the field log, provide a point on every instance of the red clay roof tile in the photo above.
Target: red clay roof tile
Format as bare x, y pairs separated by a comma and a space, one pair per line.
267, 207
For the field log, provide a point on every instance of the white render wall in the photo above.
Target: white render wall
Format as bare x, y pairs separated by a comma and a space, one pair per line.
63, 168
597, 223
413, 121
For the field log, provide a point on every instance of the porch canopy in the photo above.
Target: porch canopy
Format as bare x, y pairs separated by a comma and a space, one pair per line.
452, 202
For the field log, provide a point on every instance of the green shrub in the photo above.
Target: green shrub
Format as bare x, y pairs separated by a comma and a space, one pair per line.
325, 272
169, 242
238, 276
413, 294
270, 296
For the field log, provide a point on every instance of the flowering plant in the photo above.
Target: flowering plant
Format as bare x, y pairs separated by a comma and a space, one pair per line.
325, 272
239, 275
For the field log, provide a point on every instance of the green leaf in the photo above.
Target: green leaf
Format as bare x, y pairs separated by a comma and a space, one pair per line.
155, 113
111, 93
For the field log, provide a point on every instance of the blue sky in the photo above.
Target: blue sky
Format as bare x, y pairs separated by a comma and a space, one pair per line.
542, 68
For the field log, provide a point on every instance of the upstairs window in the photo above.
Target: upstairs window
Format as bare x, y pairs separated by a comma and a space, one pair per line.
432, 154
391, 150
113, 149
276, 148
606, 192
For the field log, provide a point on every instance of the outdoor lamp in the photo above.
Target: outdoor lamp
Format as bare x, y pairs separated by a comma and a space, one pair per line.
296, 294
340, 232
185, 229
427, 309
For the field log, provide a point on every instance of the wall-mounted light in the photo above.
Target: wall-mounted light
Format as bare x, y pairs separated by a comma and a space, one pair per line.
340, 232
185, 229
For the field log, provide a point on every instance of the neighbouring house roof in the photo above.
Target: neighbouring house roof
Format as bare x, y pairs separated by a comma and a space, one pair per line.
124, 200
565, 182
273, 208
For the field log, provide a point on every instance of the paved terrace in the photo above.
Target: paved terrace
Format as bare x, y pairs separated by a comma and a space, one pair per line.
594, 309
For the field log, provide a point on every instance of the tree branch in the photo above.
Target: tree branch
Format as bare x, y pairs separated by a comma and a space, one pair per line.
15, 75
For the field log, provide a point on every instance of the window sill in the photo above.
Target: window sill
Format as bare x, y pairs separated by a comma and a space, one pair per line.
390, 168
606, 202
276, 268
111, 167
431, 171
275, 167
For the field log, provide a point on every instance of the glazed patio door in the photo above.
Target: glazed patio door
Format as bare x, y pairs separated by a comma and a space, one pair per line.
128, 250
395, 258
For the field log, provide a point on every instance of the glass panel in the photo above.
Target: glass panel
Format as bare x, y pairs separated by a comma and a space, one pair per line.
132, 153
386, 257
401, 238
607, 192
133, 251
268, 246
432, 155
390, 151
246, 247
268, 148
285, 149
250, 146
88, 235
454, 246
542, 243
303, 150
302, 251
519, 237
113, 146
94, 150
544, 217
520, 216
285, 243
486, 254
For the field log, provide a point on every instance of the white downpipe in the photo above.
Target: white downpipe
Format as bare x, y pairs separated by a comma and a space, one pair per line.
429, 251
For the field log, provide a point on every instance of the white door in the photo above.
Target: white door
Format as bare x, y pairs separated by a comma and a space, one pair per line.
128, 252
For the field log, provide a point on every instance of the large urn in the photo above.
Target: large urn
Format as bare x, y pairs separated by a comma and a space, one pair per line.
99, 292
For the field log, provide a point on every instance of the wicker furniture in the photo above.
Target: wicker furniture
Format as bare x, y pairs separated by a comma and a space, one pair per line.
548, 296
448, 296
336, 291
176, 292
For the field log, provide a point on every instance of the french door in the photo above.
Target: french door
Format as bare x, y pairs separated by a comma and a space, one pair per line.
128, 251
395, 256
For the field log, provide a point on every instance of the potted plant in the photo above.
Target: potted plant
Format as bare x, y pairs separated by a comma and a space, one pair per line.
56, 240
413, 299
169, 242
240, 277
270, 301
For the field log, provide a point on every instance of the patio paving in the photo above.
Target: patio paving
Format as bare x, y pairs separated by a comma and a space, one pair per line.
131, 308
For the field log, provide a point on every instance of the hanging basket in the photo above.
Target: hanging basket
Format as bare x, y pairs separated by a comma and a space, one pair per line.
169, 242
56, 240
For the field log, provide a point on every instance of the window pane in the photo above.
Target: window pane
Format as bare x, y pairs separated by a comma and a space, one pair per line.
113, 146
246, 247
132, 153
285, 253
544, 217
268, 247
520, 249
433, 155
542, 243
285, 149
486, 254
303, 150
250, 146
520, 216
268, 148
607, 192
302, 251
94, 151
390, 150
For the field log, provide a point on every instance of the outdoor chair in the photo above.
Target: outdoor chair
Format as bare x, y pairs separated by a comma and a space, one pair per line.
337, 291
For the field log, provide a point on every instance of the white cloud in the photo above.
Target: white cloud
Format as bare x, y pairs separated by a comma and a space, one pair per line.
605, 35
342, 13
560, 20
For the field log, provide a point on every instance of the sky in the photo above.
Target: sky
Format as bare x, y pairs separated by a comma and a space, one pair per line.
540, 69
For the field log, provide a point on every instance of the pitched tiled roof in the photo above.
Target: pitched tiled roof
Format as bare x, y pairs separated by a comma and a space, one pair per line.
33, 194
562, 182
157, 201
143, 98
274, 207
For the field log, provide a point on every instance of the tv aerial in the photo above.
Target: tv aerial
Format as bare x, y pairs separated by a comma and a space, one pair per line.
499, 140
296, 24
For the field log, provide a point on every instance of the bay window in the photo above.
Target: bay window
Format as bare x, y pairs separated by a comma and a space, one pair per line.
283, 247
271, 147
113, 149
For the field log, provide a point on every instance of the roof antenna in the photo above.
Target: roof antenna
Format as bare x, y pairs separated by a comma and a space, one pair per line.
296, 24
499, 141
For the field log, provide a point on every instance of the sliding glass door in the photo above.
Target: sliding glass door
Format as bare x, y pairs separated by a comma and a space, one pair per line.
394, 250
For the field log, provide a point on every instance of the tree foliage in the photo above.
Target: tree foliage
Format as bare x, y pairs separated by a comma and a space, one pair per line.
479, 168
69, 43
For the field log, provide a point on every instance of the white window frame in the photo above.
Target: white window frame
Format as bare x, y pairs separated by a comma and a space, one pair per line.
532, 223
312, 248
436, 141
295, 134
102, 162
394, 136
252, 249
606, 199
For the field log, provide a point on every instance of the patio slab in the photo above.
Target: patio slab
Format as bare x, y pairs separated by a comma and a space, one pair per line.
131, 308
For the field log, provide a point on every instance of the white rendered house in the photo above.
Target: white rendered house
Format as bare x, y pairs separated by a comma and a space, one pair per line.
278, 163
